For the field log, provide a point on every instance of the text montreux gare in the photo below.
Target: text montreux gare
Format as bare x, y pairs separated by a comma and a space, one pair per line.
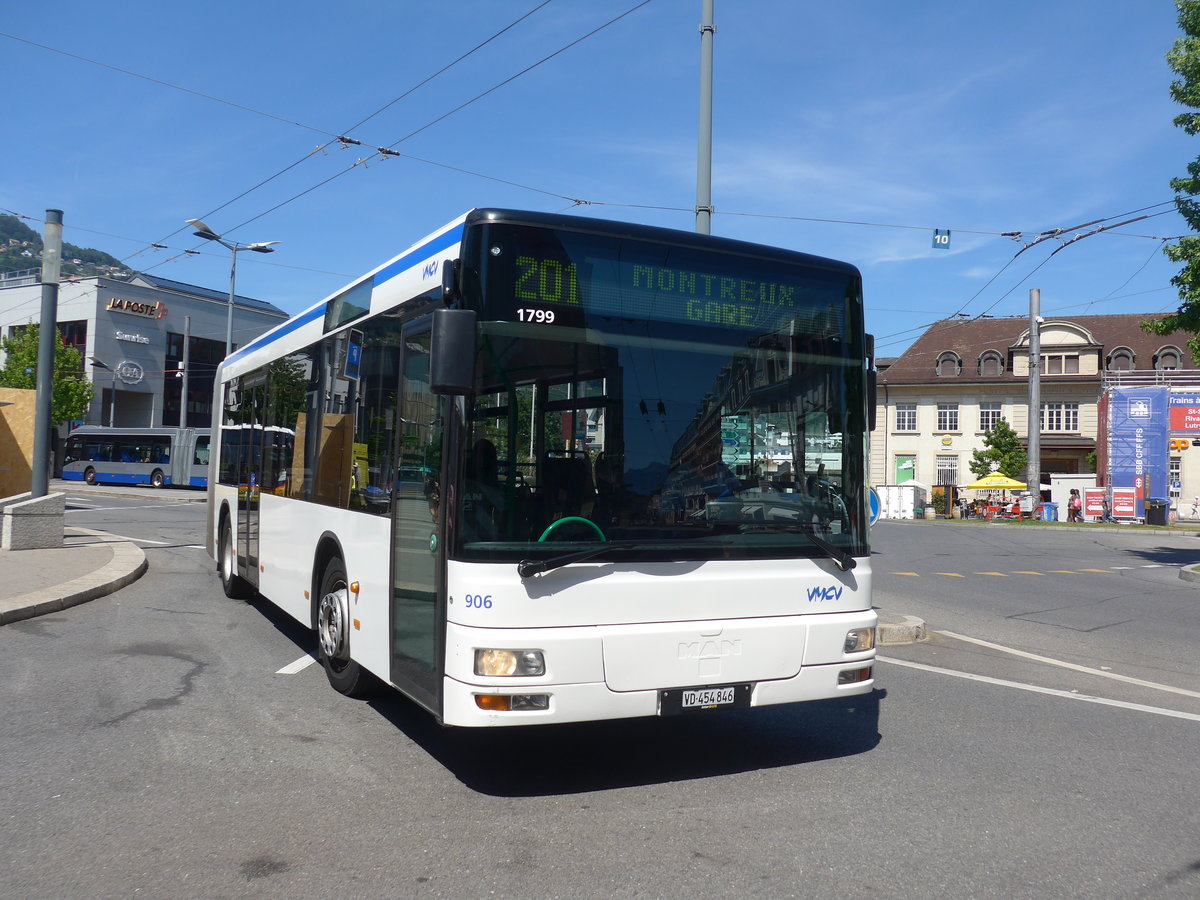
715, 298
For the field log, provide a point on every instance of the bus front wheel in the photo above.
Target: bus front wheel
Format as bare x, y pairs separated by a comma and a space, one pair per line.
234, 585
90, 475
333, 633
156, 478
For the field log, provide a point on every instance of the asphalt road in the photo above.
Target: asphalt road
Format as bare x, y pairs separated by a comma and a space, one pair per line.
158, 743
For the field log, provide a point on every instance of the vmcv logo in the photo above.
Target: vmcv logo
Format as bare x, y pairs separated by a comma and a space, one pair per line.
430, 269
825, 594
710, 649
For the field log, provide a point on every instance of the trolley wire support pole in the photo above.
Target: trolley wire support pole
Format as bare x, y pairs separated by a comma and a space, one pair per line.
1034, 478
47, 344
704, 154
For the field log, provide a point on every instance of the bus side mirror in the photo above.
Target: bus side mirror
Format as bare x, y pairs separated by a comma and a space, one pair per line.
872, 379
450, 291
452, 352
872, 398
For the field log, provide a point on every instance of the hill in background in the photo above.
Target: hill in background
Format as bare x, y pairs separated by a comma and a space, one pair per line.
21, 250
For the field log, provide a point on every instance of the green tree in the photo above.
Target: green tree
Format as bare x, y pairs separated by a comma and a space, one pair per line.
1184, 59
72, 393
1003, 453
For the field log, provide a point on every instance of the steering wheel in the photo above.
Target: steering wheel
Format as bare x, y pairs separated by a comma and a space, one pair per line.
567, 520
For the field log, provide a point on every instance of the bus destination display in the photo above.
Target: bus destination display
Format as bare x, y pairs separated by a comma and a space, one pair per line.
571, 281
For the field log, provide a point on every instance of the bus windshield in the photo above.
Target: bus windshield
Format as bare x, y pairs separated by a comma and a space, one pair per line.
671, 404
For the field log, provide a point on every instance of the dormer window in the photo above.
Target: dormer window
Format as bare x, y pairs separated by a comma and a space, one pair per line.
1167, 359
991, 364
1121, 360
1060, 364
948, 365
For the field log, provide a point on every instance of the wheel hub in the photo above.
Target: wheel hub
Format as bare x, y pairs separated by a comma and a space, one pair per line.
333, 620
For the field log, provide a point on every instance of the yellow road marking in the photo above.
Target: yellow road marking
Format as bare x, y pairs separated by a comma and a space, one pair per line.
910, 574
1097, 571
950, 574
997, 574
1039, 574
1063, 572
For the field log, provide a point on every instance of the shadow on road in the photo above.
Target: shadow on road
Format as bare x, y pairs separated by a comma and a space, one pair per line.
571, 759
545, 760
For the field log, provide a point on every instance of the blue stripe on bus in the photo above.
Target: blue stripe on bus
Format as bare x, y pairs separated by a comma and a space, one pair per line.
438, 244
317, 312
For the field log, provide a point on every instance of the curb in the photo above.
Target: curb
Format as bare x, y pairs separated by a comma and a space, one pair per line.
127, 565
893, 630
1187, 572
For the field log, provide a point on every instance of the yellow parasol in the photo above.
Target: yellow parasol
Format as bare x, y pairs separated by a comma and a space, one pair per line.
996, 482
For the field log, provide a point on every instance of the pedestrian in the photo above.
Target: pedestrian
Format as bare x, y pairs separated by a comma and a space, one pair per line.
1075, 507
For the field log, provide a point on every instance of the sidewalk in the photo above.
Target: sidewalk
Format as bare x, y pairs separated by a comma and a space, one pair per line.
90, 564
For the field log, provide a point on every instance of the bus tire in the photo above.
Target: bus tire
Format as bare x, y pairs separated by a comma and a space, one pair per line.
90, 475
333, 633
156, 478
234, 585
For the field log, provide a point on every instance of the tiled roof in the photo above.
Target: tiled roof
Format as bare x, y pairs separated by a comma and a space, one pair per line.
971, 337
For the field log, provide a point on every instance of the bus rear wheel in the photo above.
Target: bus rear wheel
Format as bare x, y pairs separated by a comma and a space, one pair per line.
333, 633
234, 585
156, 478
90, 475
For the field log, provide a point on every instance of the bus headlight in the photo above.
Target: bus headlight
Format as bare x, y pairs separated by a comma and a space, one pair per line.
857, 640
509, 663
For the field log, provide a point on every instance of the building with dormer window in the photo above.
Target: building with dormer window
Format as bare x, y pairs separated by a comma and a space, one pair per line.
938, 400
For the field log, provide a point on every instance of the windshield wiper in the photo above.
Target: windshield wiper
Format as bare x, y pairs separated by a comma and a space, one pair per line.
844, 560
527, 568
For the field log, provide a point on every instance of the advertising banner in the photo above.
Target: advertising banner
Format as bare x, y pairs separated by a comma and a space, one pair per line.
1185, 413
1137, 444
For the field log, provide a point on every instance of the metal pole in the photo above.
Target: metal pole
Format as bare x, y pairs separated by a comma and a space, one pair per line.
229, 311
112, 402
1034, 478
704, 154
183, 393
47, 344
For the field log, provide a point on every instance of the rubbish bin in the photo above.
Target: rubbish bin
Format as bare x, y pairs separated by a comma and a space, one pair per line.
1049, 512
1156, 512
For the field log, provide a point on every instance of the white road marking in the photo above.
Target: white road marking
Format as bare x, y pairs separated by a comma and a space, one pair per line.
140, 540
121, 508
298, 666
1066, 695
1067, 665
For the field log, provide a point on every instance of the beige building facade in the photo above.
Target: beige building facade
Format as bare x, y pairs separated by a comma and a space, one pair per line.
937, 402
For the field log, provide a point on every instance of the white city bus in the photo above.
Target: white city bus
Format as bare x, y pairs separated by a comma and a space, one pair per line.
159, 457
541, 468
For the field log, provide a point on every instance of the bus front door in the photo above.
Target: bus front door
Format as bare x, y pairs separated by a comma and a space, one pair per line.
416, 610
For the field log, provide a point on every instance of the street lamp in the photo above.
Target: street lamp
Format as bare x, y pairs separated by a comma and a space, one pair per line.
112, 400
203, 231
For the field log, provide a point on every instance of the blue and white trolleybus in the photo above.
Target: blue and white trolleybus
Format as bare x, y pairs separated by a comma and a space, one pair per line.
540, 468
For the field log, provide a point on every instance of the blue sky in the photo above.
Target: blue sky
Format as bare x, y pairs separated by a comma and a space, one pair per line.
899, 117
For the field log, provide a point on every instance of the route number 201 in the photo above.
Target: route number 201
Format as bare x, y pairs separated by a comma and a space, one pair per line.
541, 316
479, 601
